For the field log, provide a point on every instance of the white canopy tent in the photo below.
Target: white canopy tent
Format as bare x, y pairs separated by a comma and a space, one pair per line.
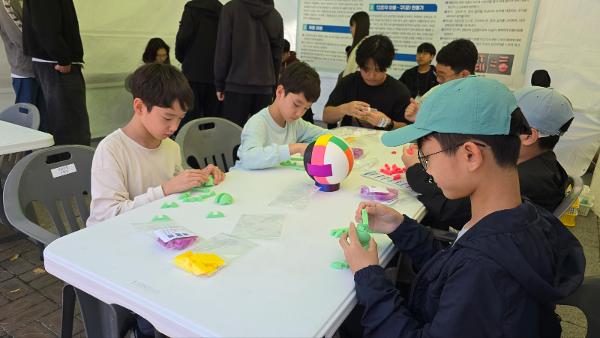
115, 33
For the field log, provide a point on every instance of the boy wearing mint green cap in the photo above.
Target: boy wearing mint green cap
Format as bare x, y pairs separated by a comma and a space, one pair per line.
511, 262
541, 177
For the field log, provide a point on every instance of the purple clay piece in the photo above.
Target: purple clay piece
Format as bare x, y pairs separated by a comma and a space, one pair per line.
358, 153
366, 193
179, 243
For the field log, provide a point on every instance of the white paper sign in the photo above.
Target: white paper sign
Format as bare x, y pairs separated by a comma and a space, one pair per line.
64, 170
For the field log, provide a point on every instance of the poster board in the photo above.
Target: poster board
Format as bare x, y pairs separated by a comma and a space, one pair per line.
501, 30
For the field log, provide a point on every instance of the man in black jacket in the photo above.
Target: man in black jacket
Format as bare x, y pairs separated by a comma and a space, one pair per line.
195, 49
247, 57
51, 37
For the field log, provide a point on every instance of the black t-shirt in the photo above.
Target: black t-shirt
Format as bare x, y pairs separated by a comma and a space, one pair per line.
419, 83
390, 98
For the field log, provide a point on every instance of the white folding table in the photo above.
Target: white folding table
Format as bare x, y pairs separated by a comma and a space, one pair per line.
283, 287
14, 138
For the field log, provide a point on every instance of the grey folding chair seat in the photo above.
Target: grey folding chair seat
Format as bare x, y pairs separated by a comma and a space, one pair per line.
59, 179
209, 140
576, 188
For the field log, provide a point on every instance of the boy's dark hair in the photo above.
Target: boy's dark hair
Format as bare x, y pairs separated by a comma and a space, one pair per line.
504, 147
286, 46
159, 84
152, 47
362, 24
549, 142
377, 47
426, 47
540, 78
459, 55
298, 78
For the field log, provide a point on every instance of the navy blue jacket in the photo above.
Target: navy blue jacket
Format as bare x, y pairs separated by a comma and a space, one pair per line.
502, 278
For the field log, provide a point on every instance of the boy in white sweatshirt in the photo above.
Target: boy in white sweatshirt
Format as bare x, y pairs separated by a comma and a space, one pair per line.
139, 163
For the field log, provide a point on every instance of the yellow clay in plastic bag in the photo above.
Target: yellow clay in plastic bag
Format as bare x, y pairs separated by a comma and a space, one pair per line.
199, 263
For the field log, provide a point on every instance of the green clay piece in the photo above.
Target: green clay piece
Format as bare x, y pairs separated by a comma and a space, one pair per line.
292, 164
215, 214
363, 232
210, 194
337, 233
365, 217
185, 195
200, 189
161, 218
168, 205
339, 265
210, 182
224, 199
363, 235
193, 199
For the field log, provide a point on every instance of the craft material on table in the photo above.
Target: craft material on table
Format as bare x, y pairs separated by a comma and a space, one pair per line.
260, 226
199, 263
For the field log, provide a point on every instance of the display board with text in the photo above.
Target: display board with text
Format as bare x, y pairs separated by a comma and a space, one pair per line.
501, 30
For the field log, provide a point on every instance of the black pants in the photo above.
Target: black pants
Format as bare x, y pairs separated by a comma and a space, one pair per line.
65, 116
238, 107
205, 103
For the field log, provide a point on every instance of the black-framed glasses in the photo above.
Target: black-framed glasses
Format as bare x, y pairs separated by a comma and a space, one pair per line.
424, 159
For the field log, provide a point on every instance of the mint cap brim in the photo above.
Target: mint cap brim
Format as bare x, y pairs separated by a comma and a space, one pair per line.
406, 134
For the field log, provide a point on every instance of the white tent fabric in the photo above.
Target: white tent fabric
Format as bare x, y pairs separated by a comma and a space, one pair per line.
115, 33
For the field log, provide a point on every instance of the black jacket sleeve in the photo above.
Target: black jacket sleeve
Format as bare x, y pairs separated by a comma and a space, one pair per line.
274, 27
441, 212
468, 305
223, 49
185, 34
46, 16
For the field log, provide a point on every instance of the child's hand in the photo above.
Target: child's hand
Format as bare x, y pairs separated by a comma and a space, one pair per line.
382, 219
185, 181
410, 113
357, 109
410, 155
298, 148
377, 118
356, 256
213, 170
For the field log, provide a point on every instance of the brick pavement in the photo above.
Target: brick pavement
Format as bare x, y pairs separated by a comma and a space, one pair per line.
30, 298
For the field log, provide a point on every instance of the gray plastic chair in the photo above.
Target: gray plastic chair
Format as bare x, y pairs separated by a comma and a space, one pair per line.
37, 177
209, 140
587, 299
24, 114
59, 179
576, 188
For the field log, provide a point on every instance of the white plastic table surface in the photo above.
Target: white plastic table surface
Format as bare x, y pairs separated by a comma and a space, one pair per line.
283, 287
14, 138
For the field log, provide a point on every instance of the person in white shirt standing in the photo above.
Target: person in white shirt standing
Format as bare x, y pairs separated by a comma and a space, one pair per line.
139, 163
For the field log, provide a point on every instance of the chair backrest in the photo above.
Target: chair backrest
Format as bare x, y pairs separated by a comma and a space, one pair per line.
23, 114
576, 188
587, 299
58, 178
209, 140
